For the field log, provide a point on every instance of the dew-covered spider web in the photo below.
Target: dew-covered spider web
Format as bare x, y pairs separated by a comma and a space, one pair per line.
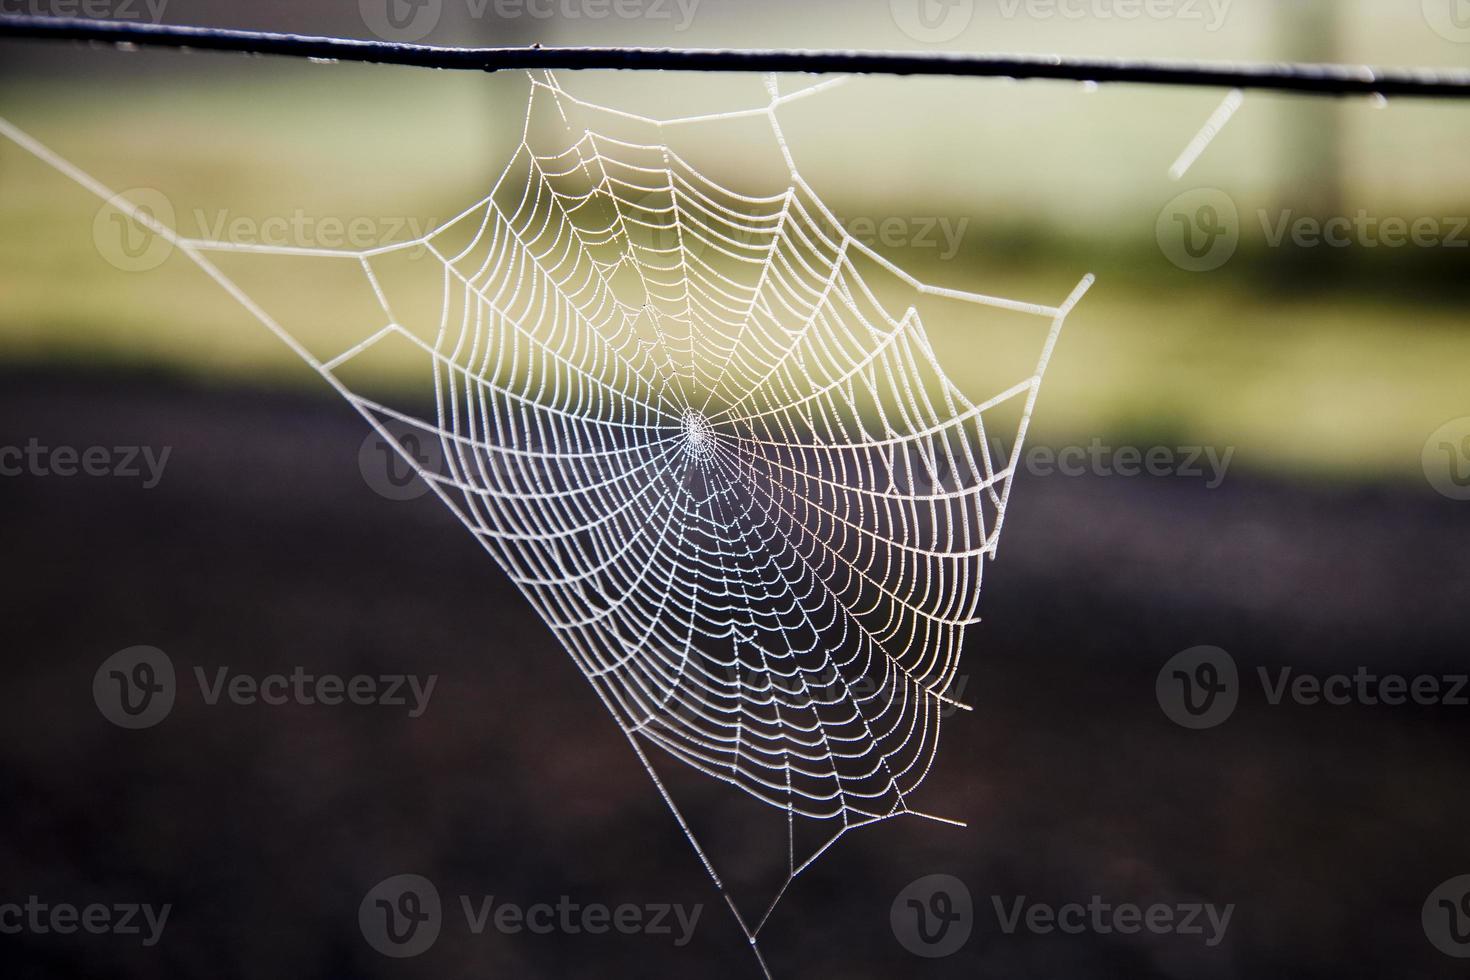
705, 432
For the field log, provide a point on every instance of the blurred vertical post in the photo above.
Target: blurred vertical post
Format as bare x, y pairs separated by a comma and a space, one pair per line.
1311, 168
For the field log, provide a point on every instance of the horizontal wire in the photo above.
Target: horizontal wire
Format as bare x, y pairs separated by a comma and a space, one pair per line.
1305, 79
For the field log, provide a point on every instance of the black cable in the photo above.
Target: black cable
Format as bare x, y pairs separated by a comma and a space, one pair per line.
1300, 78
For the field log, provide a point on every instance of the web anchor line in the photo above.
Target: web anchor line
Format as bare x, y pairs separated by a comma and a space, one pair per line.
772, 589
1232, 102
1302, 79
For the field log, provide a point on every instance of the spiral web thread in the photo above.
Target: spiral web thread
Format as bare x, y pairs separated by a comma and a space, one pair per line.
737, 487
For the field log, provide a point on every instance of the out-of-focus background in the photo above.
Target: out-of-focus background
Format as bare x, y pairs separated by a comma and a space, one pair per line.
1309, 359
1327, 382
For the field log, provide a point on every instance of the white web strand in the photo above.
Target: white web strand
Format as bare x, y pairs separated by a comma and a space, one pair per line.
1212, 128
737, 487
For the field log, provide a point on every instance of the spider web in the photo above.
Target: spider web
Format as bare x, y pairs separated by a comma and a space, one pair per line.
721, 461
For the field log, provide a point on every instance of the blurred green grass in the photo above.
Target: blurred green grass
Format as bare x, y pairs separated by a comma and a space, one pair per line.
1321, 363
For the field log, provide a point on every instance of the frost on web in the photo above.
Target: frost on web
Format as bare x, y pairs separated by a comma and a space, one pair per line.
706, 434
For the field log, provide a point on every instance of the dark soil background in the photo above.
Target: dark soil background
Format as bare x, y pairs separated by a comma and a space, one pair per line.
264, 549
